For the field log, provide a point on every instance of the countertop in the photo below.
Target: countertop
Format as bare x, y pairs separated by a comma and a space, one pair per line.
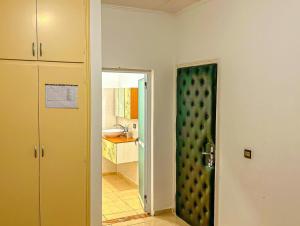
119, 140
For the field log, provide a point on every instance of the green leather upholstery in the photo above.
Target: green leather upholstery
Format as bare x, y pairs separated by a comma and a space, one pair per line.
196, 114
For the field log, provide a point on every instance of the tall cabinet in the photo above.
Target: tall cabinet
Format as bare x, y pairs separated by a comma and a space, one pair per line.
44, 148
126, 103
19, 135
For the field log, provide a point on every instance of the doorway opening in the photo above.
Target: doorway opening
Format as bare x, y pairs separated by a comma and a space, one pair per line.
126, 158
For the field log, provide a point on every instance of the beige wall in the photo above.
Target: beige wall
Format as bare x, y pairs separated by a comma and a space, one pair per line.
258, 46
143, 39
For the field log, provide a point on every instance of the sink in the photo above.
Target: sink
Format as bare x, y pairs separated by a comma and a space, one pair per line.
112, 132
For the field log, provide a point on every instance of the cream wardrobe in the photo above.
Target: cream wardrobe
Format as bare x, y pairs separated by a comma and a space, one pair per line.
44, 150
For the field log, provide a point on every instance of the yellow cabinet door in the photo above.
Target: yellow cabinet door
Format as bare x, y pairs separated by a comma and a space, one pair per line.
61, 30
18, 29
63, 140
19, 160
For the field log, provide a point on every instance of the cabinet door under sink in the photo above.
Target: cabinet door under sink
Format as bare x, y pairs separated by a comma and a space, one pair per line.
127, 152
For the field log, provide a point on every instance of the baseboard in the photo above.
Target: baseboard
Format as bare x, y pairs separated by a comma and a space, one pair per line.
126, 178
165, 211
120, 175
109, 173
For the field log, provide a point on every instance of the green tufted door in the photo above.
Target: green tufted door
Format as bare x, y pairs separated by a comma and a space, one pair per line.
195, 141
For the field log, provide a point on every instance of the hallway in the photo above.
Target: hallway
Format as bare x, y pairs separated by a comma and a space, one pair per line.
120, 198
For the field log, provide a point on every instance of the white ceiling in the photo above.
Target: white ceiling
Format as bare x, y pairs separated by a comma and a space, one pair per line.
170, 6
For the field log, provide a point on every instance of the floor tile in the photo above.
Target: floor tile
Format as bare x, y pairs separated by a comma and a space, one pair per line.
120, 198
135, 204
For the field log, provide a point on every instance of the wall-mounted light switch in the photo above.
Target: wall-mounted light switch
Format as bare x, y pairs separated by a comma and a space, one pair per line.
248, 154
134, 126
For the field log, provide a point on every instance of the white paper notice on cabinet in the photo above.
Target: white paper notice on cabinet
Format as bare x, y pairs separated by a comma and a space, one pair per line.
61, 96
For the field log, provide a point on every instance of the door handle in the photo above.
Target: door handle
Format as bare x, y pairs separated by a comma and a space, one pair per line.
35, 152
212, 150
33, 49
41, 49
211, 160
43, 151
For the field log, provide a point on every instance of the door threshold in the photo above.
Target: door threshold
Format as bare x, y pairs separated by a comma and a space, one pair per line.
125, 219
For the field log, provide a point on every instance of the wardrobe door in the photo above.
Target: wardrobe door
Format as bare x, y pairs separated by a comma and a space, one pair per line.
18, 29
61, 30
63, 139
19, 160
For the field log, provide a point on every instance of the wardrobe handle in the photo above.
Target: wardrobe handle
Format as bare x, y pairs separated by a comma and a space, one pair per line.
41, 49
35, 152
33, 49
43, 151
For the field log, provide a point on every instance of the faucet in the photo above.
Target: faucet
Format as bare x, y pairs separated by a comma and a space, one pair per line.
125, 128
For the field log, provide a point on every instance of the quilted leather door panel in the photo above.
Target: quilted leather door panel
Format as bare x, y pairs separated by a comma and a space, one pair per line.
195, 135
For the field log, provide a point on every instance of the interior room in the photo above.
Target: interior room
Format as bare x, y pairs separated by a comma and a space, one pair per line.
121, 134
208, 138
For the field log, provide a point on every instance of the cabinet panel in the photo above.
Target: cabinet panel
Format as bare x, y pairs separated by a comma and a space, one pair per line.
119, 153
18, 29
127, 103
63, 137
19, 167
61, 30
117, 102
134, 103
121, 103
127, 152
131, 103
109, 151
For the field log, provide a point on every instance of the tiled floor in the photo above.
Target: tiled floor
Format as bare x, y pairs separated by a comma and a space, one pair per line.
163, 220
120, 198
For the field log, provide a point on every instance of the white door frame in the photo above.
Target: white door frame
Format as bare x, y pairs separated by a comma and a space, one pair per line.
148, 132
217, 151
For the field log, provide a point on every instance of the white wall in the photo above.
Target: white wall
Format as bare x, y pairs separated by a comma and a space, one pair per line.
129, 171
133, 132
108, 121
121, 80
257, 43
139, 39
108, 109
